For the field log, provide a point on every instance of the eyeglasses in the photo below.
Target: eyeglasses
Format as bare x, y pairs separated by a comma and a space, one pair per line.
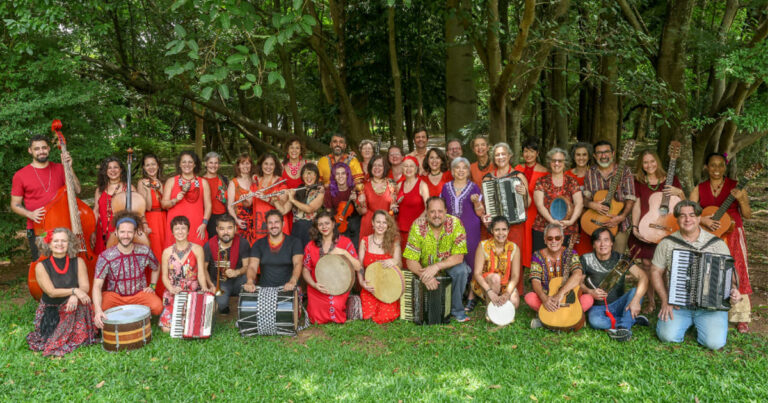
557, 161
554, 238
603, 152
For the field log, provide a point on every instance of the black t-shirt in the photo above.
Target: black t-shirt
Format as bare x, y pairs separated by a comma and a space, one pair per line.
245, 252
66, 280
276, 267
595, 271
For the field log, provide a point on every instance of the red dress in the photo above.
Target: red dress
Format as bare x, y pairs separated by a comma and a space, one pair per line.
104, 227
292, 182
409, 209
156, 219
434, 190
736, 241
527, 245
323, 308
374, 309
191, 206
260, 207
245, 214
585, 241
643, 193
375, 201
517, 232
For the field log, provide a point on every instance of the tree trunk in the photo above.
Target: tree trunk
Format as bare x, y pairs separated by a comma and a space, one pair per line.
199, 123
497, 114
641, 124
607, 109
397, 122
460, 93
559, 95
285, 61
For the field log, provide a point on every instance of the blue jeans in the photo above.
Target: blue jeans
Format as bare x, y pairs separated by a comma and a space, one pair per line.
458, 275
712, 327
598, 319
229, 288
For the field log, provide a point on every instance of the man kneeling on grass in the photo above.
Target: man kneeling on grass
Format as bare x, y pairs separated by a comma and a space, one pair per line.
615, 310
711, 325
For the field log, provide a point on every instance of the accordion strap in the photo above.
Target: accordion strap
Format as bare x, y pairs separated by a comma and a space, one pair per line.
681, 242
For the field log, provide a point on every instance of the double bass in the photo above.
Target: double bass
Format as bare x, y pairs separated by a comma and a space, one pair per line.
65, 210
130, 201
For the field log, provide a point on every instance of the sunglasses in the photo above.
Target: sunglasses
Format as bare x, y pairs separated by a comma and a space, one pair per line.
554, 238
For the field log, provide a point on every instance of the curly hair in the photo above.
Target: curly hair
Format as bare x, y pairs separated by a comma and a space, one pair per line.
335, 186
192, 155
73, 244
314, 233
102, 181
441, 155
289, 143
278, 166
391, 235
146, 156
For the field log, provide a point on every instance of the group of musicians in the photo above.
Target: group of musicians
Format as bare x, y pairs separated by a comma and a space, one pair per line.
274, 220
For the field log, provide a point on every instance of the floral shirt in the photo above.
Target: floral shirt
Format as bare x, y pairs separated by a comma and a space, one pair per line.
552, 192
425, 248
544, 269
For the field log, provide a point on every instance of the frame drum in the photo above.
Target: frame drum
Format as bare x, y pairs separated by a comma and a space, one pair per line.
387, 283
561, 209
127, 327
501, 315
335, 273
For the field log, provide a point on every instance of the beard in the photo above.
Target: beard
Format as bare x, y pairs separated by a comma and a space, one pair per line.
604, 164
42, 159
337, 151
226, 238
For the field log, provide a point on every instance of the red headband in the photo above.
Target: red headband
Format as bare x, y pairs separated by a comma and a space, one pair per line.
412, 158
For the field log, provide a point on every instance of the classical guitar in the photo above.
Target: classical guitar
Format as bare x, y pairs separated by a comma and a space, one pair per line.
592, 219
658, 222
719, 214
569, 316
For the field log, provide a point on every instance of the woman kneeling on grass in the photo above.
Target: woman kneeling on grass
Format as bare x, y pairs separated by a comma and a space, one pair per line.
64, 318
182, 269
383, 247
497, 266
321, 306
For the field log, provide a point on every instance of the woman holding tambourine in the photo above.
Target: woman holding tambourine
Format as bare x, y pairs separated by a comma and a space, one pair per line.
558, 199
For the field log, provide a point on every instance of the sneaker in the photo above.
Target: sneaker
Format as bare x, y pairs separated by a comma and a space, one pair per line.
536, 323
462, 318
642, 320
620, 334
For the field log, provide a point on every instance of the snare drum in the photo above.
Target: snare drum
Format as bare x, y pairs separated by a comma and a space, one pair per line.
268, 311
387, 282
335, 273
501, 315
126, 327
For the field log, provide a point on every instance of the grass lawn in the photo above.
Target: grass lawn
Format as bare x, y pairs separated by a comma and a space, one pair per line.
397, 361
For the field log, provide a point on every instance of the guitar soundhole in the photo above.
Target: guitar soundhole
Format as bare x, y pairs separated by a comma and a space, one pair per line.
663, 211
570, 298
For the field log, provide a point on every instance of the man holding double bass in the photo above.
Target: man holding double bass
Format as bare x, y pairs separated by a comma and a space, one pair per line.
35, 185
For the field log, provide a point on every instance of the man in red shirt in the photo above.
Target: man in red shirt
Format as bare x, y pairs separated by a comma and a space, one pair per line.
35, 185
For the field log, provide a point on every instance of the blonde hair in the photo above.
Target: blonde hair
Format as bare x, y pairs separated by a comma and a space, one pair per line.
73, 244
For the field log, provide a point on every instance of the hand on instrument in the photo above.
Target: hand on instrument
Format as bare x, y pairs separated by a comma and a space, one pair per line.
98, 319
210, 288
504, 298
249, 286
565, 223
614, 221
82, 296
599, 294
147, 230
431, 284
521, 190
149, 290
174, 290
66, 158
708, 222
389, 263
71, 303
666, 312
289, 286
670, 190
201, 231
474, 198
37, 215
367, 286
739, 194
551, 303
601, 208
495, 298
637, 235
240, 223
633, 308
230, 273
487, 219
735, 295
321, 288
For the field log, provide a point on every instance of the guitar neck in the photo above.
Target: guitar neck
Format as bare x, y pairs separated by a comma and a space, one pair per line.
614, 183
727, 203
69, 182
668, 181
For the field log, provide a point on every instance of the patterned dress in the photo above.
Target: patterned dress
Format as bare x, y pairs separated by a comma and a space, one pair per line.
181, 273
585, 241
461, 206
245, 214
374, 309
500, 264
323, 308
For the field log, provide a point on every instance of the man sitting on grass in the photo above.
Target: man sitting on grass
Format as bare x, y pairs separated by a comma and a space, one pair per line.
615, 310
712, 326
438, 242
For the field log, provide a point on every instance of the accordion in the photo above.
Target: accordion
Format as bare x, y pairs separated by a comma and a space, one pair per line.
699, 280
501, 199
192, 315
423, 306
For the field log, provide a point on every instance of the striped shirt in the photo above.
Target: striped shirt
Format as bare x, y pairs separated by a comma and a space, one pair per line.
594, 181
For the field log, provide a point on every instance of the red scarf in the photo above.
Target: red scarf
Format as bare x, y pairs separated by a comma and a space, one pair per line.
234, 250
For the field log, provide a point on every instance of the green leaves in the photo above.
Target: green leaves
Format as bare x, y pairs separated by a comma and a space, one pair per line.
269, 44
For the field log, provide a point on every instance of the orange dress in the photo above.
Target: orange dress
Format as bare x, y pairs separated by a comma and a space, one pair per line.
191, 206
156, 219
532, 176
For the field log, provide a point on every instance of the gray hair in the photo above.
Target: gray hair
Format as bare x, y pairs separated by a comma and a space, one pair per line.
555, 150
212, 154
364, 142
504, 146
687, 203
459, 160
73, 244
554, 225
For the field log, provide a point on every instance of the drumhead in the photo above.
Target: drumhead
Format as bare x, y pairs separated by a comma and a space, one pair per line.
501, 315
335, 273
126, 314
388, 283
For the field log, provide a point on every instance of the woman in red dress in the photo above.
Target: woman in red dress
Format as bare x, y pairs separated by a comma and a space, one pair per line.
322, 307
518, 233
240, 185
381, 246
532, 171
218, 186
151, 187
187, 194
110, 181
650, 178
378, 194
292, 167
580, 153
412, 195
436, 166
714, 192
268, 172
395, 159
182, 269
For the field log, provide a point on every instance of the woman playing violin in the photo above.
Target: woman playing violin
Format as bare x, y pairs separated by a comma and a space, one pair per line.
340, 198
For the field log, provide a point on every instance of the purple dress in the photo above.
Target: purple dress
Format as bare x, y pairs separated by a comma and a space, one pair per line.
461, 206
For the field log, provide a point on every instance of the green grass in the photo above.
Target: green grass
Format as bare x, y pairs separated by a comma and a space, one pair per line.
397, 361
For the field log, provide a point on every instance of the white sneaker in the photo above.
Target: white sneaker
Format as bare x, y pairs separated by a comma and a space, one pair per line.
536, 323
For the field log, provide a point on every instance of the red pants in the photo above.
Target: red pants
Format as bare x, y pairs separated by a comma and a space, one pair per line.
111, 299
533, 301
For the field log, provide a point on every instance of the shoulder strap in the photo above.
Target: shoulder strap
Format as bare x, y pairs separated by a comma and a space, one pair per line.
679, 241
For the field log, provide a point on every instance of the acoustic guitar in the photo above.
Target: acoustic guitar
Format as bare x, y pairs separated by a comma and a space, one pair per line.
592, 219
657, 223
569, 316
719, 214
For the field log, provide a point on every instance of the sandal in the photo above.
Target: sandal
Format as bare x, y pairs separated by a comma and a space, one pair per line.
742, 327
470, 305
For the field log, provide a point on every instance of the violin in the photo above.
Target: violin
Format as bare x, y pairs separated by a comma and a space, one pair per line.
65, 210
130, 201
343, 212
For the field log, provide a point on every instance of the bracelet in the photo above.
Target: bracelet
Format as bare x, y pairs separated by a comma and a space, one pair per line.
153, 286
205, 221
73, 291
